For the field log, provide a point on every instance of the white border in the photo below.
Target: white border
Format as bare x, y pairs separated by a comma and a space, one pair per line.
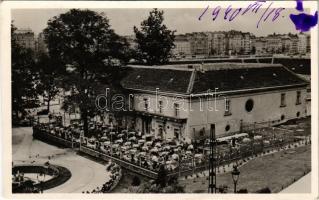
5, 63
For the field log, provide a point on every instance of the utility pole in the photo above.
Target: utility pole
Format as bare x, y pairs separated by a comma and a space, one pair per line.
212, 161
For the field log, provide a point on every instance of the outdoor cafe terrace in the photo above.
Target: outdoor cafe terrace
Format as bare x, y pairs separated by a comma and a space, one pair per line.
149, 152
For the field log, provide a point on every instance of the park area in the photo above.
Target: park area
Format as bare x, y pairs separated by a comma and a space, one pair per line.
275, 171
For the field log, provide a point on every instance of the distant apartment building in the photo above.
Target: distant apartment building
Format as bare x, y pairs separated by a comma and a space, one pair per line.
302, 43
25, 38
41, 46
238, 42
218, 43
274, 44
286, 44
182, 46
261, 46
235, 45
199, 43
308, 44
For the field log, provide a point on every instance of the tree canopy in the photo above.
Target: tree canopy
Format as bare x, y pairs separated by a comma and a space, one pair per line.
24, 78
89, 52
154, 40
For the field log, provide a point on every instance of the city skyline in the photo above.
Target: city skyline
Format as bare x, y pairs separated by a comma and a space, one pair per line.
175, 19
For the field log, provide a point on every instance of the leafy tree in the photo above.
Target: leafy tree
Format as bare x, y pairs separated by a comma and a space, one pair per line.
162, 177
88, 52
24, 78
136, 181
154, 40
48, 78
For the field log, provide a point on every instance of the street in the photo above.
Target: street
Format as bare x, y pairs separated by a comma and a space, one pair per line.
86, 174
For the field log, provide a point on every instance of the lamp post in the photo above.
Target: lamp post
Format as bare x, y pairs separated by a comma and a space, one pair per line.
235, 176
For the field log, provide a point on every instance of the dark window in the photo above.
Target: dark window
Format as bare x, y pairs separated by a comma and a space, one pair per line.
146, 104
298, 101
298, 114
249, 105
176, 133
176, 106
227, 107
283, 100
131, 102
227, 127
282, 117
160, 106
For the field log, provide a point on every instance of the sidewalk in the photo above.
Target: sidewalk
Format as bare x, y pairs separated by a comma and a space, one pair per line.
303, 185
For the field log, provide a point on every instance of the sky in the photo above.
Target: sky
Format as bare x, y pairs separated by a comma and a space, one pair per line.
183, 20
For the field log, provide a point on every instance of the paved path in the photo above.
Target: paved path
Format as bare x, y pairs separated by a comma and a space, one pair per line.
303, 185
86, 174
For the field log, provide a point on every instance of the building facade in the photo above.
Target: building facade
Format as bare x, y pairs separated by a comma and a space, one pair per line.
188, 103
182, 46
25, 38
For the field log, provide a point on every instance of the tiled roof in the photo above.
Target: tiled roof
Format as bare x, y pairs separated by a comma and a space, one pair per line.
244, 79
297, 65
226, 79
167, 80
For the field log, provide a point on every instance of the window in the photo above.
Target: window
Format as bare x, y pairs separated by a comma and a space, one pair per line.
298, 114
176, 106
227, 107
227, 127
202, 132
176, 133
282, 117
160, 106
146, 104
298, 100
131, 102
283, 100
249, 105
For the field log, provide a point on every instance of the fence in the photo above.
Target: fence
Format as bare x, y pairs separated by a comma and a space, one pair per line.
122, 163
188, 166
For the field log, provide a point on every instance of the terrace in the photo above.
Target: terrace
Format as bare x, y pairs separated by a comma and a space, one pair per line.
145, 154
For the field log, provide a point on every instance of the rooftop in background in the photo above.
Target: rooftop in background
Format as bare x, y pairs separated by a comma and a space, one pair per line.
227, 77
24, 31
299, 65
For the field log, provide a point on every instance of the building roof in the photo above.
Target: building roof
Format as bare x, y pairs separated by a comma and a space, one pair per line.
230, 80
297, 65
166, 80
196, 81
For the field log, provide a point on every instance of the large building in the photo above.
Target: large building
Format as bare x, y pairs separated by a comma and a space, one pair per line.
41, 46
182, 46
302, 43
199, 43
189, 102
25, 38
218, 43
274, 43
261, 46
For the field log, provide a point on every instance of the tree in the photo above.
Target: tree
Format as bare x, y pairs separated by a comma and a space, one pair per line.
48, 78
136, 181
24, 78
154, 40
162, 177
88, 52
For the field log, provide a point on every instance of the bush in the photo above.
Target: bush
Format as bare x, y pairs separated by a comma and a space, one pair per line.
136, 181
43, 112
242, 191
264, 190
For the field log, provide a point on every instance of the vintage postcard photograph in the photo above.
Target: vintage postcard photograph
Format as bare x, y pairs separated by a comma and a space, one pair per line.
173, 98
